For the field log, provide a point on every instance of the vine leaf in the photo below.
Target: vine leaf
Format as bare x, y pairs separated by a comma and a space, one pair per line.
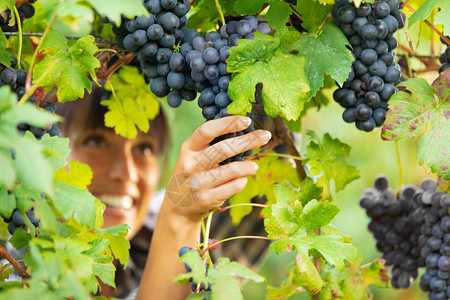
57, 150
116, 235
79, 174
324, 53
204, 12
8, 202
284, 91
315, 11
331, 157
195, 262
287, 222
421, 110
441, 17
355, 279
277, 14
223, 279
5, 58
131, 104
72, 63
270, 172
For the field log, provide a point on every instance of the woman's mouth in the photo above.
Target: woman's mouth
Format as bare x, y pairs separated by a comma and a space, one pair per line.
124, 202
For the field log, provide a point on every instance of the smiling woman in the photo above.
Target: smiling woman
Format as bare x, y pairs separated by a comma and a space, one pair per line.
126, 172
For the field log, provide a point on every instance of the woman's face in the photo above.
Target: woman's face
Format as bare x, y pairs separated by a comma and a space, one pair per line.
125, 172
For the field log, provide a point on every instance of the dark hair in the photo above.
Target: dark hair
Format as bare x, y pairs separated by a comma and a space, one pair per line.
93, 112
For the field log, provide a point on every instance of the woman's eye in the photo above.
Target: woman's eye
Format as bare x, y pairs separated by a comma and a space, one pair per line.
145, 149
94, 141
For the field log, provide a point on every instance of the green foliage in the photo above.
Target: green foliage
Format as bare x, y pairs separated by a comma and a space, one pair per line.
276, 16
285, 87
331, 158
69, 65
5, 58
131, 104
441, 17
324, 53
423, 114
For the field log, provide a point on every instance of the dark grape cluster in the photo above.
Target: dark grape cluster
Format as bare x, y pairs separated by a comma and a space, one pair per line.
194, 285
154, 38
435, 239
395, 229
16, 220
25, 10
370, 30
444, 58
15, 79
412, 230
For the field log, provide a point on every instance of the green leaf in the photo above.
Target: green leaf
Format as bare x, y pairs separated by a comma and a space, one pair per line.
249, 51
272, 170
113, 9
106, 273
309, 191
278, 13
5, 57
131, 104
441, 17
248, 7
315, 11
20, 238
317, 214
284, 91
308, 274
331, 158
424, 110
7, 202
195, 262
76, 203
79, 174
119, 245
223, 279
204, 13
324, 53
57, 149
8, 174
70, 65
290, 284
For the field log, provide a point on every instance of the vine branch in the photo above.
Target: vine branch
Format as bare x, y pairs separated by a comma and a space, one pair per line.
429, 24
207, 248
32, 34
14, 263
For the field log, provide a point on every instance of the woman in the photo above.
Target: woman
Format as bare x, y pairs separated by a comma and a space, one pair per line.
126, 173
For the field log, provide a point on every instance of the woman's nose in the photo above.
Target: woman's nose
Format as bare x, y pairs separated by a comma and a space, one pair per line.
122, 166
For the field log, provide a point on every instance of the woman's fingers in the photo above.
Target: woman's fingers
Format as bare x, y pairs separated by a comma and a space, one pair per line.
220, 175
208, 131
220, 151
215, 197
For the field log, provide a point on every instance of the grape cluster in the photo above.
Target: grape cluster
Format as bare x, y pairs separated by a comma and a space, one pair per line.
154, 38
436, 241
15, 79
395, 228
16, 220
369, 29
183, 250
25, 10
444, 58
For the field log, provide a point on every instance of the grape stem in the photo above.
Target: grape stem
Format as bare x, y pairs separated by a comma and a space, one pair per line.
429, 24
32, 34
30, 90
399, 163
206, 237
219, 10
19, 25
207, 248
282, 132
14, 263
35, 54
222, 209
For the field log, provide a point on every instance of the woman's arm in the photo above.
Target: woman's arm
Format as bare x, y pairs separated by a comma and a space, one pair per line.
197, 185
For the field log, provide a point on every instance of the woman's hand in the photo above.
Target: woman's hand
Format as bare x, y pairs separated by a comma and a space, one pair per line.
198, 183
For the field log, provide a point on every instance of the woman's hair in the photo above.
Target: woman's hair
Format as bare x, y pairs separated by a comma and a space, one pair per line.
87, 112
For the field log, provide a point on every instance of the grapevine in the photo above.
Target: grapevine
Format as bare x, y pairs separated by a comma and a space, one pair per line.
277, 62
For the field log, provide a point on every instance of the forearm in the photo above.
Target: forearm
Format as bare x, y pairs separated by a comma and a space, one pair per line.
162, 264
